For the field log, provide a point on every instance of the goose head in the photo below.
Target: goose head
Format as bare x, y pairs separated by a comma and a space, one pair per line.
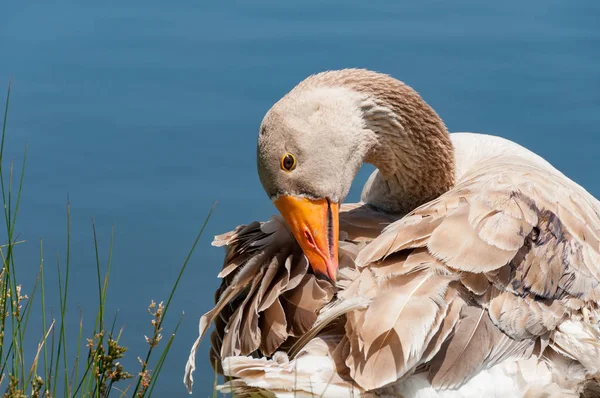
314, 140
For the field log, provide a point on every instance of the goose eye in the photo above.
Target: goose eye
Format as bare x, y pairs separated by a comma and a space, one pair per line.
288, 162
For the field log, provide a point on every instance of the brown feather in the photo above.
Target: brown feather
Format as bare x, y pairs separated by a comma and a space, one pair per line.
470, 350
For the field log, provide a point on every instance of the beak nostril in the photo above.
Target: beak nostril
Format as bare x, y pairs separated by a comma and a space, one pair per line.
314, 225
309, 239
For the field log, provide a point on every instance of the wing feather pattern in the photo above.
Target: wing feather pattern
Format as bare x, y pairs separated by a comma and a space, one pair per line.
522, 242
505, 266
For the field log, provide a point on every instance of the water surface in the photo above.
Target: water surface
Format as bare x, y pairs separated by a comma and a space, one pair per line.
146, 112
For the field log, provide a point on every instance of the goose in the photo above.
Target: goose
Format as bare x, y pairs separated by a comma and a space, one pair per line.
470, 267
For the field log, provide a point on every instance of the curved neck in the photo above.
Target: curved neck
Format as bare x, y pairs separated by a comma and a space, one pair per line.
396, 131
410, 147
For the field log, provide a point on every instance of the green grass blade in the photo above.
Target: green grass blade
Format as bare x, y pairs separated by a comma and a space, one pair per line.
6, 358
20, 190
183, 267
4, 283
77, 358
29, 306
62, 326
100, 295
4, 201
43, 299
49, 385
64, 307
28, 311
162, 358
34, 365
110, 253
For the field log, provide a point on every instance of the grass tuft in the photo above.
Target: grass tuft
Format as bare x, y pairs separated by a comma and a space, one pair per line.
96, 370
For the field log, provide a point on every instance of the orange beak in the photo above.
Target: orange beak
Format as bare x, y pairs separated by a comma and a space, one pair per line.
315, 225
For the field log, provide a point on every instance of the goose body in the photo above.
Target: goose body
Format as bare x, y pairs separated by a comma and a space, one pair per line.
470, 268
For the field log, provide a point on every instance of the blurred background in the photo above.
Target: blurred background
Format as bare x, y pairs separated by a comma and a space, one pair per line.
144, 113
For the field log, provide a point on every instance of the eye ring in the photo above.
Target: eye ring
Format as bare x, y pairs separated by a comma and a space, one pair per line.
288, 162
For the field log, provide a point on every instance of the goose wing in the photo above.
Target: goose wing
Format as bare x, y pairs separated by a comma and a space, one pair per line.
502, 266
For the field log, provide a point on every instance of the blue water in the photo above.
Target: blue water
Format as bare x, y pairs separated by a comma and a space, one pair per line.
146, 112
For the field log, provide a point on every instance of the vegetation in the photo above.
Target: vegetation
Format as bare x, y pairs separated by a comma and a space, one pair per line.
96, 370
